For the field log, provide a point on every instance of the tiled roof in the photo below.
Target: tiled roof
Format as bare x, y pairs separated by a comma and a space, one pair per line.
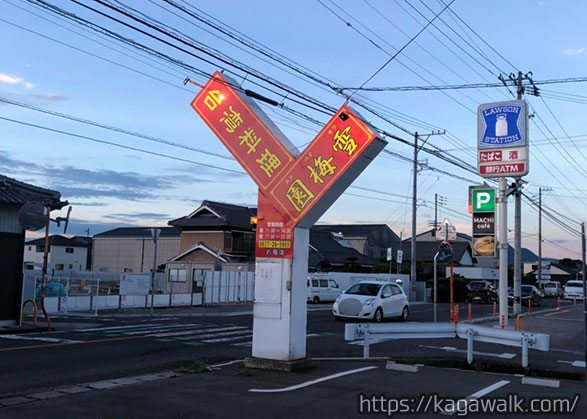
217, 214
335, 252
126, 232
58, 240
354, 230
15, 192
425, 251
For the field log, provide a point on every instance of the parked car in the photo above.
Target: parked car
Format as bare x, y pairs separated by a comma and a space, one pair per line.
574, 289
529, 292
553, 289
322, 290
373, 300
481, 292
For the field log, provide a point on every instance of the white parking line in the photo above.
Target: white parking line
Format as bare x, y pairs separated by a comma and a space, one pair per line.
579, 364
105, 329
480, 393
503, 355
213, 332
23, 337
311, 382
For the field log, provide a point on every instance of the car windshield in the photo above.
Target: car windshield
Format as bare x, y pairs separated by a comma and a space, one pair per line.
526, 289
477, 286
364, 289
574, 284
551, 285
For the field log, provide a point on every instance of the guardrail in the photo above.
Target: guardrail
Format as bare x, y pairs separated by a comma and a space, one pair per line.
525, 340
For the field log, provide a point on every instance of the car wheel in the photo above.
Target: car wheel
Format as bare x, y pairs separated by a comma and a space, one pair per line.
316, 300
378, 317
405, 314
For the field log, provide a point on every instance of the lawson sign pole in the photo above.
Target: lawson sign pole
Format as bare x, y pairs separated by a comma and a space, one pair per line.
502, 151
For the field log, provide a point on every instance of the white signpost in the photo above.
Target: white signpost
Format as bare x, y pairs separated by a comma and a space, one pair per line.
135, 284
502, 150
446, 231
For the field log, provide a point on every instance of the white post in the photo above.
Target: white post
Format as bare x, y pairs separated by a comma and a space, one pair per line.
435, 280
279, 323
470, 335
366, 339
524, 351
503, 253
97, 299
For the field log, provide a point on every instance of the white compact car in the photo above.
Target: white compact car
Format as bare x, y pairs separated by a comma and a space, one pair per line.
574, 289
373, 300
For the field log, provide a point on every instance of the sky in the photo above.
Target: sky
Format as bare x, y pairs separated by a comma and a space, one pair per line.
55, 72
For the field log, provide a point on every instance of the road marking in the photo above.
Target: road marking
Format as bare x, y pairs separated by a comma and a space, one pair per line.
236, 361
556, 312
250, 343
227, 339
78, 342
312, 382
42, 339
476, 395
503, 355
103, 329
164, 328
579, 364
217, 331
214, 335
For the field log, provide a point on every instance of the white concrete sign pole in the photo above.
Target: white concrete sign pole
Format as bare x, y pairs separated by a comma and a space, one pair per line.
503, 253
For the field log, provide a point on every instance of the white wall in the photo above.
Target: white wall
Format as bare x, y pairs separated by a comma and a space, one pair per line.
57, 255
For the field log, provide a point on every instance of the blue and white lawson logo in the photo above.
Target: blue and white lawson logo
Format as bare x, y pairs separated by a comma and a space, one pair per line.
502, 124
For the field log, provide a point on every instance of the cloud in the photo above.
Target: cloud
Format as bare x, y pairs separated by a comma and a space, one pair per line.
577, 51
87, 204
5, 78
51, 97
15, 80
139, 216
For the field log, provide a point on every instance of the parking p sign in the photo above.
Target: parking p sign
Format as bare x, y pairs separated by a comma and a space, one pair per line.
483, 200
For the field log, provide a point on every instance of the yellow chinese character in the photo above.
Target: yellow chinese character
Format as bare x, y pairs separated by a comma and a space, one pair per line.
299, 195
250, 139
232, 120
344, 141
268, 162
213, 99
322, 167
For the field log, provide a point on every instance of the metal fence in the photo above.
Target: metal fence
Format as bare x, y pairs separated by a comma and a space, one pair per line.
228, 287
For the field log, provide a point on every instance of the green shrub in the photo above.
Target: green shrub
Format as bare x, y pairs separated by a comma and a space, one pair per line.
460, 289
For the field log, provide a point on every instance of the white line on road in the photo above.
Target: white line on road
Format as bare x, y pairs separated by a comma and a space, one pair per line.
219, 340
503, 355
104, 329
213, 332
579, 364
23, 337
162, 329
250, 343
480, 393
311, 382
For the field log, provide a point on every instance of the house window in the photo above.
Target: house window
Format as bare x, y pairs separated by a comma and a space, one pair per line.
70, 266
227, 242
30, 248
59, 266
128, 270
69, 250
177, 275
41, 249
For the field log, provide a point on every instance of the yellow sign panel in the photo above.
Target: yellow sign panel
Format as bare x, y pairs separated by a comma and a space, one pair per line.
274, 244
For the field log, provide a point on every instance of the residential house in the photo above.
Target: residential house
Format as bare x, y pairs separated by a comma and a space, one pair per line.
369, 239
131, 249
13, 195
63, 253
557, 272
330, 252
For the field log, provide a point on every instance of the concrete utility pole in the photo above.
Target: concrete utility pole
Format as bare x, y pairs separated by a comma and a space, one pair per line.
414, 209
503, 252
155, 234
540, 231
518, 227
584, 285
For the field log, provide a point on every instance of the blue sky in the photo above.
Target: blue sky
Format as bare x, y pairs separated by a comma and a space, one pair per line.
92, 77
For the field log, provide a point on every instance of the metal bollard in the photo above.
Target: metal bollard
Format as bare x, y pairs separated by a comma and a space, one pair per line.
524, 351
366, 344
575, 300
520, 322
558, 303
530, 306
456, 314
495, 309
470, 312
470, 334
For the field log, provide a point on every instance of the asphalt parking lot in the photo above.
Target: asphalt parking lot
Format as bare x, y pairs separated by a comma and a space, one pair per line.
330, 389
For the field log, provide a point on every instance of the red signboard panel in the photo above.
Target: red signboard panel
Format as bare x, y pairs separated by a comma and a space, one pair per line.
328, 156
489, 156
504, 168
274, 231
248, 139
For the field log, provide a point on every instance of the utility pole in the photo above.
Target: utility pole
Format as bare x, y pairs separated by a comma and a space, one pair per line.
155, 235
518, 227
414, 208
540, 232
584, 285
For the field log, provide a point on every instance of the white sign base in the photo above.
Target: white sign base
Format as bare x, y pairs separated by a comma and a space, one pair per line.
279, 322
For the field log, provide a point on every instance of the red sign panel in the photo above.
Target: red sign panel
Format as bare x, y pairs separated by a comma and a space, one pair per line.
489, 156
328, 156
274, 232
512, 169
248, 139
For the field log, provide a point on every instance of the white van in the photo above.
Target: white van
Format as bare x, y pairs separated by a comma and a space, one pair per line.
574, 289
552, 289
322, 290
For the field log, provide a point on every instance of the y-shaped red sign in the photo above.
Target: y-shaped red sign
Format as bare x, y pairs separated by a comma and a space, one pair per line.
290, 186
